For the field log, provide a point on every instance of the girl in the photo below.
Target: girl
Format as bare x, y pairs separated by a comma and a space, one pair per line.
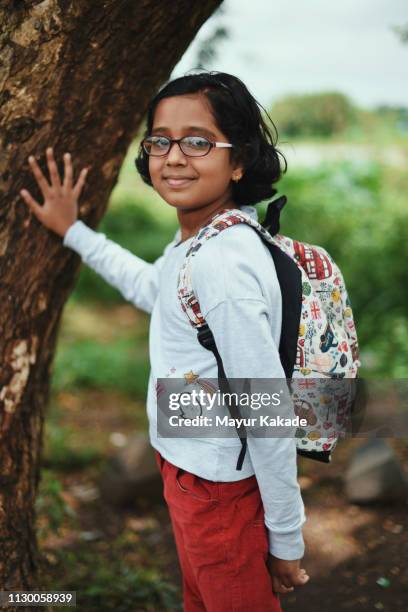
207, 149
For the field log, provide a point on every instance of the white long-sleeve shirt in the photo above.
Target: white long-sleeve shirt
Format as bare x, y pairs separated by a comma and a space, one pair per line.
235, 281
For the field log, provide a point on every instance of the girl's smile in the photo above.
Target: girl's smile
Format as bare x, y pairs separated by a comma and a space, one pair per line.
177, 182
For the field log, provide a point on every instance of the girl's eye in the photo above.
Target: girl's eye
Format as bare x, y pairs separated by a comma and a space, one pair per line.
195, 146
156, 145
196, 142
160, 142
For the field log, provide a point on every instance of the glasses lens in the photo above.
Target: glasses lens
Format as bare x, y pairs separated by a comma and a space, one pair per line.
156, 145
195, 145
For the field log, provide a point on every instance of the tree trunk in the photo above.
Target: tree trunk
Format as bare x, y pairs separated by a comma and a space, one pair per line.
77, 75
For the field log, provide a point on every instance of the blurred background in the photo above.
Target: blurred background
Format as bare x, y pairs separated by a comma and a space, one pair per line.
333, 79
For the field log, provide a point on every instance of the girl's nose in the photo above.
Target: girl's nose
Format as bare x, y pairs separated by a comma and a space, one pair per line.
176, 155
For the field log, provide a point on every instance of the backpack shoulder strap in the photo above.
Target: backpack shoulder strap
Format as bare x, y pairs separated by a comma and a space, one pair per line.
221, 221
287, 270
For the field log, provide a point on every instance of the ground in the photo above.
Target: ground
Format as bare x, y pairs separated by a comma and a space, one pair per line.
356, 556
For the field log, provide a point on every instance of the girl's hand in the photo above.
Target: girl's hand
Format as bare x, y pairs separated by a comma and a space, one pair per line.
285, 574
60, 208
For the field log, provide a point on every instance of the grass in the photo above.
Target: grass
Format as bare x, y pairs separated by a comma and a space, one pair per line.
106, 573
104, 580
88, 364
102, 347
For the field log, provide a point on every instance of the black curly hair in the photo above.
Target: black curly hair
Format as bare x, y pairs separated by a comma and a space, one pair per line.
237, 114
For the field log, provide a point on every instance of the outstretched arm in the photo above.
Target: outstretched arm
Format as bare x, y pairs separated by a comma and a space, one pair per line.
136, 279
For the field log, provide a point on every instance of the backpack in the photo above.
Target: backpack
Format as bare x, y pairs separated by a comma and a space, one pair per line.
318, 345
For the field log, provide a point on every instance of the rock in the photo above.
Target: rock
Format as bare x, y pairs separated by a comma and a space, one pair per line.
131, 475
375, 474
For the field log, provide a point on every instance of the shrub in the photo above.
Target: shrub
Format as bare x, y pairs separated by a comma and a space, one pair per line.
322, 115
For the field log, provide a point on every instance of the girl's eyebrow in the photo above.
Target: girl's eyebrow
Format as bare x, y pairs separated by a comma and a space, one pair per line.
189, 128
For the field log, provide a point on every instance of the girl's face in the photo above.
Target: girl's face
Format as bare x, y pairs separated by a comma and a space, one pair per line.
208, 178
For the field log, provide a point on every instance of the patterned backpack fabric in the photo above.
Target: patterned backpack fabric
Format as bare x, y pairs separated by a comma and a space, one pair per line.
319, 346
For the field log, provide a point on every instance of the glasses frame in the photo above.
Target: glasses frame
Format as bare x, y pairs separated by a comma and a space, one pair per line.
213, 144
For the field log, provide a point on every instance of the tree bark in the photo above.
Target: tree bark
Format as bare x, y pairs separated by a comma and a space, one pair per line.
77, 75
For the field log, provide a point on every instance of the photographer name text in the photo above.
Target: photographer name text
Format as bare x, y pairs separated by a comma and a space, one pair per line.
225, 421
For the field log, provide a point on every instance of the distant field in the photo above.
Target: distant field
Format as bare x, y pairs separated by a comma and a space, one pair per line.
302, 154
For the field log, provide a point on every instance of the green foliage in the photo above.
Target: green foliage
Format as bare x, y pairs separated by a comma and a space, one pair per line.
208, 51
357, 212
111, 583
134, 227
89, 364
321, 114
51, 504
59, 452
384, 125
402, 32
126, 588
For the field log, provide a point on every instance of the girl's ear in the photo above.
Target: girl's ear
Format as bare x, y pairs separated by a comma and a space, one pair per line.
242, 161
238, 170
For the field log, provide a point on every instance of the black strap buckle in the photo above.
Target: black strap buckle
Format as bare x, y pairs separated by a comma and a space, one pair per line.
205, 337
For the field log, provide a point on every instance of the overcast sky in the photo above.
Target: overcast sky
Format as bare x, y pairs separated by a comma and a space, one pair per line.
289, 46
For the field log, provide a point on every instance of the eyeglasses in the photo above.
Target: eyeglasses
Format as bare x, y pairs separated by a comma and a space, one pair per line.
192, 146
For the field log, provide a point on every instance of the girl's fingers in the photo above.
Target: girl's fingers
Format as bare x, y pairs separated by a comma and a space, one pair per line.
80, 182
67, 171
39, 177
32, 203
279, 587
53, 169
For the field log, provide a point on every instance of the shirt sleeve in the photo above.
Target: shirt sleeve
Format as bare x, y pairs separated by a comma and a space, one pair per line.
136, 279
232, 300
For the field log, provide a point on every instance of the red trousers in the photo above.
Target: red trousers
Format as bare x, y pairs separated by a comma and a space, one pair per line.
221, 540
